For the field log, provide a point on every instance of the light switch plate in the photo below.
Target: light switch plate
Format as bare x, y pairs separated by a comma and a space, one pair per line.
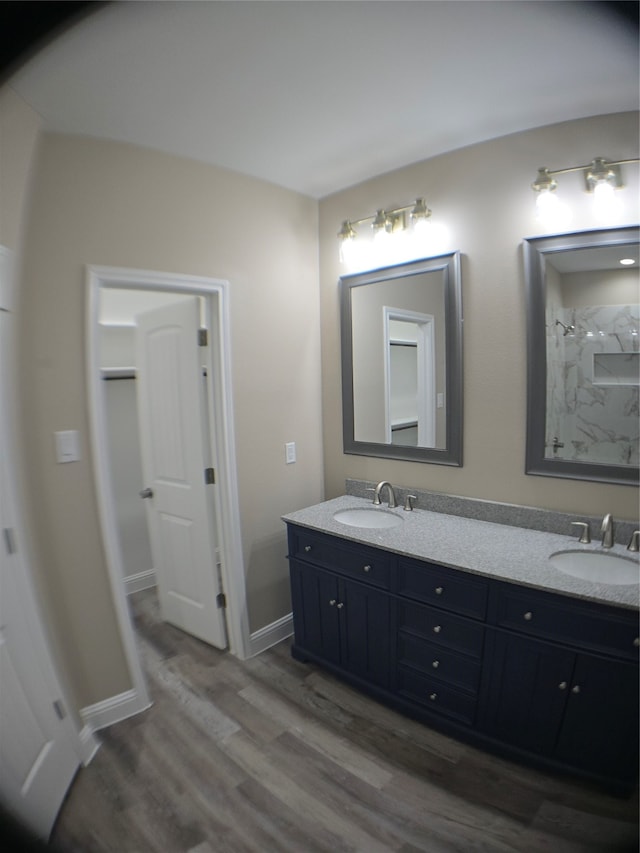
290, 452
67, 445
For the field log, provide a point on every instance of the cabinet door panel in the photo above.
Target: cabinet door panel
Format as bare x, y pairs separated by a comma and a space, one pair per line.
315, 619
527, 692
600, 729
365, 627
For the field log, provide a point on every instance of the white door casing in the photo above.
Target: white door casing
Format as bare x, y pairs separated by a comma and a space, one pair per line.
219, 402
175, 455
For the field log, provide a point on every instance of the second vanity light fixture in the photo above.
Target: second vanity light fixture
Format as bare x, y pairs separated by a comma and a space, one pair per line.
602, 177
384, 223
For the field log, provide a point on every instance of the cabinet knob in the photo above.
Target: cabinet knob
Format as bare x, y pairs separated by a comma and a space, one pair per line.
332, 602
366, 568
576, 689
439, 590
636, 642
437, 629
433, 696
562, 685
528, 616
340, 605
435, 664
307, 548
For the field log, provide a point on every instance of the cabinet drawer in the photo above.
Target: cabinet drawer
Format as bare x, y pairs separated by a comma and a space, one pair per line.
452, 669
442, 587
442, 628
364, 564
436, 696
588, 626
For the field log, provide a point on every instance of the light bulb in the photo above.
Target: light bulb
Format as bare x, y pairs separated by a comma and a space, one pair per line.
347, 250
605, 204
550, 211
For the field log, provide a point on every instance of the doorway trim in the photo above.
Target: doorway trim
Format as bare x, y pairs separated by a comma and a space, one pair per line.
220, 388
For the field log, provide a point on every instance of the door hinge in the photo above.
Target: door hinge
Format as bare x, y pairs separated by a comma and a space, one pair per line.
9, 540
59, 709
203, 338
221, 599
209, 476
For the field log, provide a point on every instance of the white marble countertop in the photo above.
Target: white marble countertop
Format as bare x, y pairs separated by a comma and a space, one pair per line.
480, 547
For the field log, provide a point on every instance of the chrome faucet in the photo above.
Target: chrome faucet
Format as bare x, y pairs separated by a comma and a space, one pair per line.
392, 495
607, 531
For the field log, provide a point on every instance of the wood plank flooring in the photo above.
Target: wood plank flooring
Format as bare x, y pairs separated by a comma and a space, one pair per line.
273, 755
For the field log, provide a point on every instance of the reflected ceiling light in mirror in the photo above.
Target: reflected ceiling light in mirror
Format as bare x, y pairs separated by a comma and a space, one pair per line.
396, 235
602, 178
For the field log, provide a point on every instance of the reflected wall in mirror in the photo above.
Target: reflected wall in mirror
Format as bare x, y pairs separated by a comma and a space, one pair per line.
402, 361
583, 355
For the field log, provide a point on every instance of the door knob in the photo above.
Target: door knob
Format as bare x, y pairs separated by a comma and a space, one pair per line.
146, 493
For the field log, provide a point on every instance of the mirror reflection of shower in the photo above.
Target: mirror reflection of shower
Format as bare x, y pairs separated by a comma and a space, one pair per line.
568, 330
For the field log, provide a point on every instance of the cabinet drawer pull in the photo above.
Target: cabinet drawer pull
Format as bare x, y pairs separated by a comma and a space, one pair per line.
332, 602
528, 616
340, 605
433, 696
562, 685
636, 642
366, 568
307, 548
435, 664
439, 590
576, 689
437, 629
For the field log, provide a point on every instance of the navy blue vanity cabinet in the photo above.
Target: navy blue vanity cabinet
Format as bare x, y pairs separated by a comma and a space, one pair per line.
440, 638
561, 682
341, 607
538, 677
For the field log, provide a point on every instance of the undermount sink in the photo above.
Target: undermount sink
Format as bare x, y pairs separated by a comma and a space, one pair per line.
368, 517
597, 566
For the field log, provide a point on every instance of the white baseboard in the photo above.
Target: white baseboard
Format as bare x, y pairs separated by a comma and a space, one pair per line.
89, 744
112, 710
264, 638
139, 581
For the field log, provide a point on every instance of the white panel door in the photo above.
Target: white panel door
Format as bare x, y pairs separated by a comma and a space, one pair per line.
38, 758
175, 452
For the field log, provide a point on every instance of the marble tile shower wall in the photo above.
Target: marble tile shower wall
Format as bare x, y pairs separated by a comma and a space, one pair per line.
594, 417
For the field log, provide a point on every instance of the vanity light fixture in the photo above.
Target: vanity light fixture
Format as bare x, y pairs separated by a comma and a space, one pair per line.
627, 262
384, 223
601, 178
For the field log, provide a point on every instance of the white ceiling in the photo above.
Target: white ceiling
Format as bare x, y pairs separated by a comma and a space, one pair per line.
317, 96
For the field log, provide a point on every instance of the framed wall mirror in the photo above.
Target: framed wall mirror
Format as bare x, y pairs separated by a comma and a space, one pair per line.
583, 330
402, 361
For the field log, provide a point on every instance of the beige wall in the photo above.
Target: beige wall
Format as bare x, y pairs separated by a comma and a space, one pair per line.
19, 129
482, 194
97, 202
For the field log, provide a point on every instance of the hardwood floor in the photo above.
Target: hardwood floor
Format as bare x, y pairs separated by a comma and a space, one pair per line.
273, 755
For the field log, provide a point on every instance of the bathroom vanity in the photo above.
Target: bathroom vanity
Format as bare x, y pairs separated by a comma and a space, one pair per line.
468, 627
